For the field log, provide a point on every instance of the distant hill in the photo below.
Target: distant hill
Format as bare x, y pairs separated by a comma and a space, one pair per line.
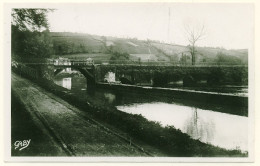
101, 47
70, 43
207, 54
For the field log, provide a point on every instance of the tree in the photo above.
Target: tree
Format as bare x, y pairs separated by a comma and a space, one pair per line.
119, 57
30, 34
223, 59
30, 19
194, 34
183, 59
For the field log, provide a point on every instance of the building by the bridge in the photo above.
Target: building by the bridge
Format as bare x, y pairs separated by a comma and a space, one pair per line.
63, 61
110, 77
90, 61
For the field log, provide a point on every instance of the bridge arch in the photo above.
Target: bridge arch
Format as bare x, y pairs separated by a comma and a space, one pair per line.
57, 71
125, 80
88, 74
188, 80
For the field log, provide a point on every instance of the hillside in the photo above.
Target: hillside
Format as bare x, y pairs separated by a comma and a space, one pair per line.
79, 45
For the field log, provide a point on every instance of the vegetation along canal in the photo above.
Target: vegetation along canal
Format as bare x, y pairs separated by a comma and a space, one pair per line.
201, 121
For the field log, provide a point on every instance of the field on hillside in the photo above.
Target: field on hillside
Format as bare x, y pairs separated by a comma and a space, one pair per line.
64, 45
101, 48
137, 48
206, 54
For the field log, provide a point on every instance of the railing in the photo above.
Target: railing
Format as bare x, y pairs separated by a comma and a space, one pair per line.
69, 62
164, 63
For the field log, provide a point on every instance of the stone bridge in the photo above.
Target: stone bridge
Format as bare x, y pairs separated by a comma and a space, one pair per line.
162, 75
157, 75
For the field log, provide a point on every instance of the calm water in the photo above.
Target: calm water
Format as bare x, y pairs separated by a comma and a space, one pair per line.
209, 126
221, 129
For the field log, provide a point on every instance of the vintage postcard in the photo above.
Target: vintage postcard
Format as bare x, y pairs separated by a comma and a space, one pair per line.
130, 82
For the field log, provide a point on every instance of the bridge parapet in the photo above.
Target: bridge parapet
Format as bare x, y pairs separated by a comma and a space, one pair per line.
69, 62
141, 73
144, 73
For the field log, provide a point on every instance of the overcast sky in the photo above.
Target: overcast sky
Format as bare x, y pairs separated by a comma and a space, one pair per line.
227, 25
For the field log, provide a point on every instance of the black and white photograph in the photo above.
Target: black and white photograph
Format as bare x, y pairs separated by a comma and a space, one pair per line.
161, 81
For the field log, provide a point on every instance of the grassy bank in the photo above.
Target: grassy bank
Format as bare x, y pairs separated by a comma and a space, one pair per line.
170, 140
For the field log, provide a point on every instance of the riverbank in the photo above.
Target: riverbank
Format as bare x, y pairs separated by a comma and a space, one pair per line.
230, 103
170, 140
57, 128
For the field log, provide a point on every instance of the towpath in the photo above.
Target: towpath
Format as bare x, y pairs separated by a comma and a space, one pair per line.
65, 131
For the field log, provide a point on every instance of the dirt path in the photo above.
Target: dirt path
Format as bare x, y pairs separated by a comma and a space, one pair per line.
65, 129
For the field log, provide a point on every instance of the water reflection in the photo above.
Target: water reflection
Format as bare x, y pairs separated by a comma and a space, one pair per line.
110, 97
199, 129
64, 82
220, 129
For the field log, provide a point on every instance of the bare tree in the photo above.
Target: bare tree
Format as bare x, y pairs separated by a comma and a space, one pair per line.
194, 34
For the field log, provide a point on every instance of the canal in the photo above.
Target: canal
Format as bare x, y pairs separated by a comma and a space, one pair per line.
207, 124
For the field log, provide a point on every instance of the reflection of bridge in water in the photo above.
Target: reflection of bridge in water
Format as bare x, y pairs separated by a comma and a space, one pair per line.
156, 74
